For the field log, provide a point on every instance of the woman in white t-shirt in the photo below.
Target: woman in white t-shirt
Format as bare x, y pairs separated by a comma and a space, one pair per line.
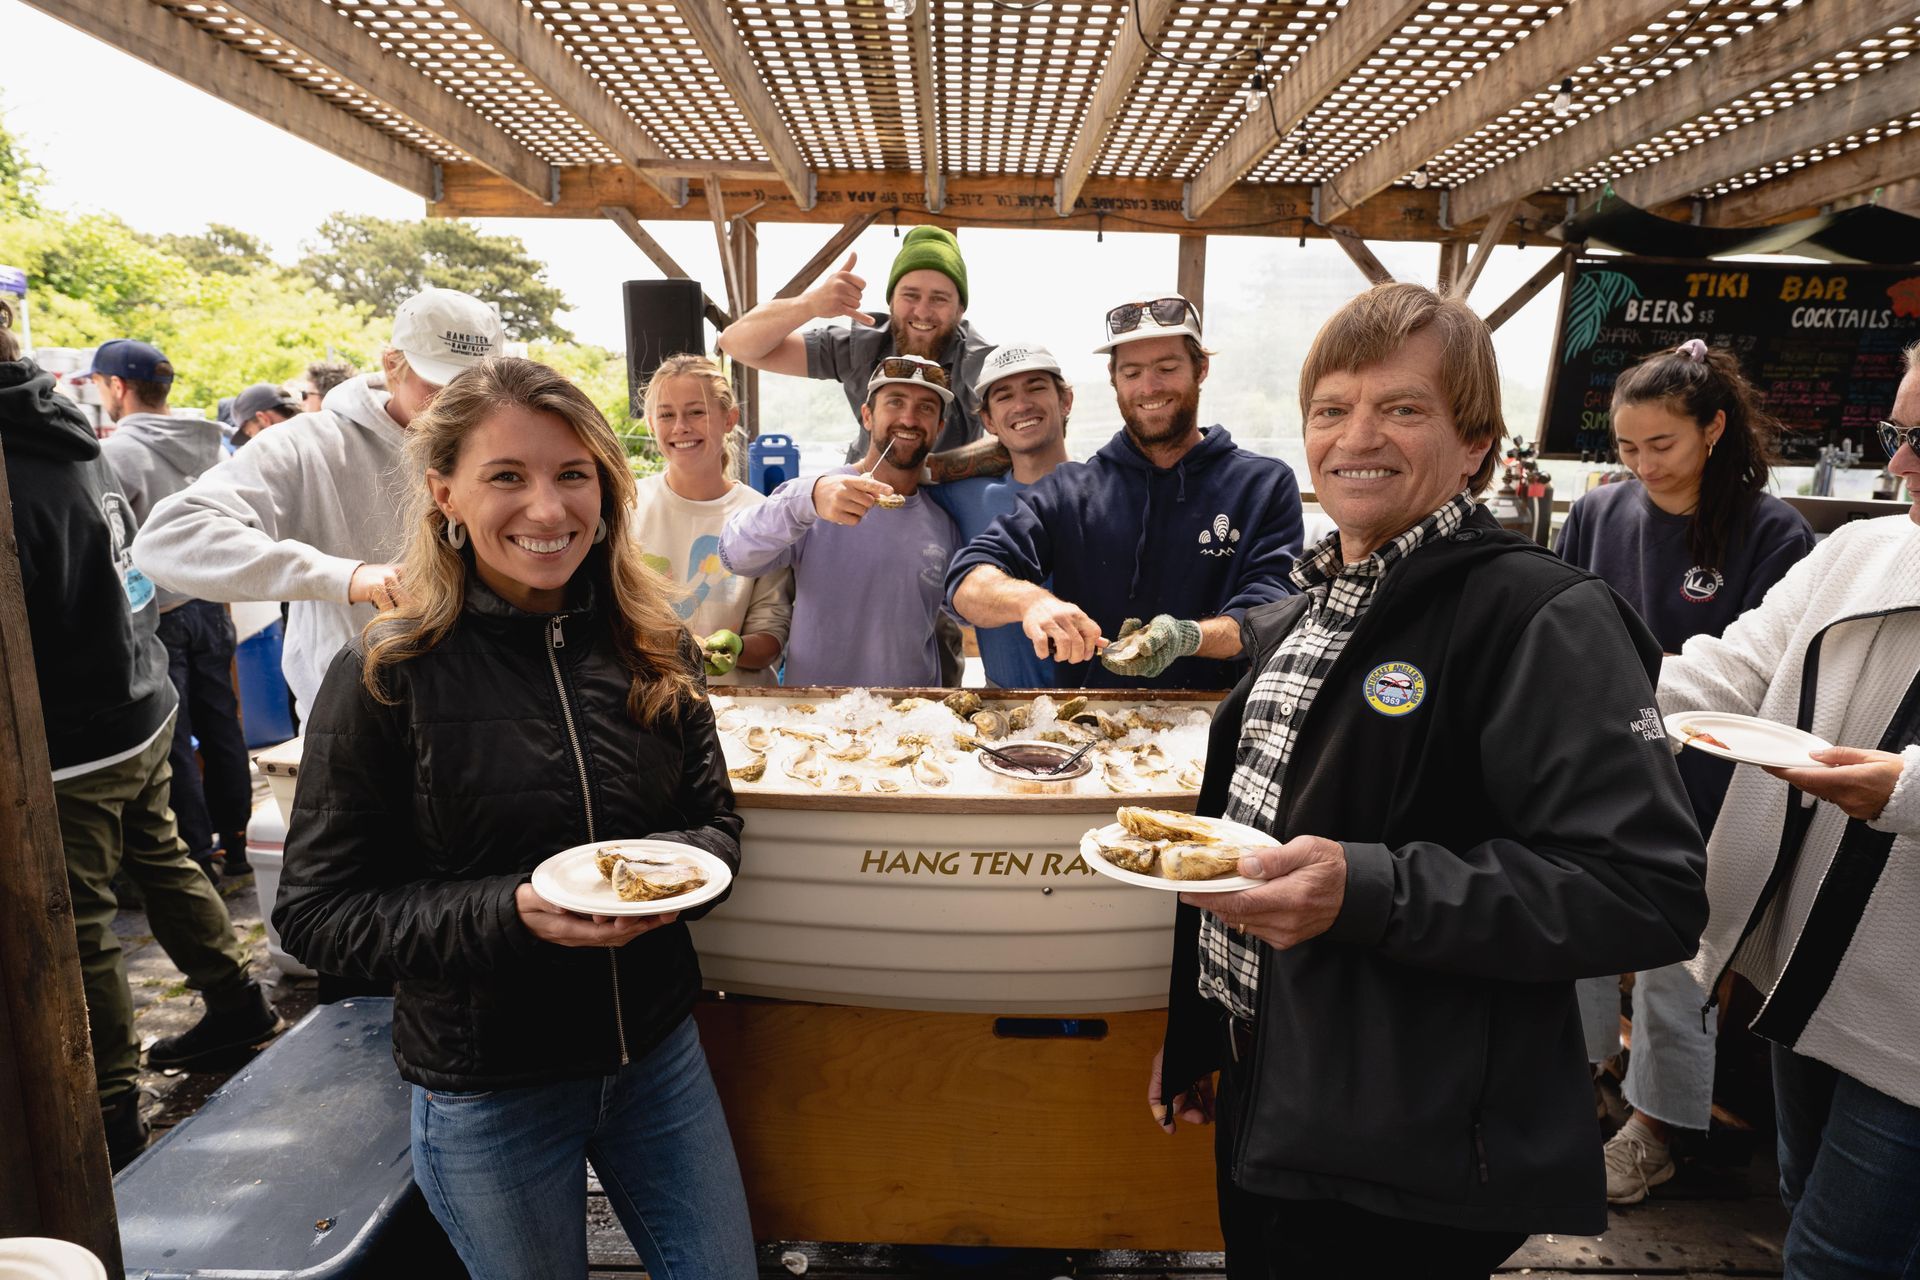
740, 622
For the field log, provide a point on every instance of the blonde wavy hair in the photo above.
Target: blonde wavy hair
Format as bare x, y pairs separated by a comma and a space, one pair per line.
647, 633
719, 390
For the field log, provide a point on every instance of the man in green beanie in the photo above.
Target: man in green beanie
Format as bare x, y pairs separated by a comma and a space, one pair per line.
927, 303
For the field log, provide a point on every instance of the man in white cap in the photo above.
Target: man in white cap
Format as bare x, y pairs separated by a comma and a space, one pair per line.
1170, 521
868, 551
311, 511
1024, 403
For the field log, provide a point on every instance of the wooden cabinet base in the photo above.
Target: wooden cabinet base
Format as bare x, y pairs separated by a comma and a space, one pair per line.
931, 1128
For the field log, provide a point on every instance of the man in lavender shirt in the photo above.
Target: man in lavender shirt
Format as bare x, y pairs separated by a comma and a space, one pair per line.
869, 554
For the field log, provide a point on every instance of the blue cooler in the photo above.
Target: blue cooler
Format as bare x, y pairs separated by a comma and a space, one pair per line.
771, 462
265, 712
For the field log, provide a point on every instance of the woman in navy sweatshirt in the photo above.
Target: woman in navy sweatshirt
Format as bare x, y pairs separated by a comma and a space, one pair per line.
1692, 542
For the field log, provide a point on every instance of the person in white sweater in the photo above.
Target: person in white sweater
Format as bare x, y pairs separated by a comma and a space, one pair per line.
741, 623
310, 512
1813, 874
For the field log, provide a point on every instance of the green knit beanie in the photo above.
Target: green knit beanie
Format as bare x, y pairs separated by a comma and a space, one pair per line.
930, 249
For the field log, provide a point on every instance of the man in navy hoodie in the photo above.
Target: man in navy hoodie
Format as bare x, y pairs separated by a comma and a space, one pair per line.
1169, 521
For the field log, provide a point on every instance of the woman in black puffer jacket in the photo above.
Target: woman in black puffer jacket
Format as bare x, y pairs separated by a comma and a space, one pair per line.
532, 691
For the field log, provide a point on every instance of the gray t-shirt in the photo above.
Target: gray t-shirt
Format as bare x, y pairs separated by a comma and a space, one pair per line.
848, 356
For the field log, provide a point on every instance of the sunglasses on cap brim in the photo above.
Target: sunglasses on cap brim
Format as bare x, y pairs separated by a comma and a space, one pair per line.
906, 367
1167, 312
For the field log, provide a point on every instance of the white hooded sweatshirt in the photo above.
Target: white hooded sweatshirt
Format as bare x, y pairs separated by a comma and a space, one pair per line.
290, 517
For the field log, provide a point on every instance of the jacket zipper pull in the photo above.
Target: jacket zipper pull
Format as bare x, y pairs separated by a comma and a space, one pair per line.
1480, 1146
555, 634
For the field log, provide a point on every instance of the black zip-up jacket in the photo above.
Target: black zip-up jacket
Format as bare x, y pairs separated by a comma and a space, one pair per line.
1522, 826
413, 825
101, 667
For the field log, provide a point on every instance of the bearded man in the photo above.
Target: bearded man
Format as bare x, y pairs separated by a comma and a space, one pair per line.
927, 304
1170, 521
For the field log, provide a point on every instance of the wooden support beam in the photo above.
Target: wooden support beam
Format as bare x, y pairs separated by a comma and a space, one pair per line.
330, 38
57, 1183
1362, 257
1193, 274
658, 254
1554, 50
519, 33
1336, 53
717, 214
1840, 112
828, 254
153, 35
1795, 39
713, 29
973, 200
1453, 262
1489, 237
732, 170
1555, 267
926, 99
1806, 190
746, 248
1109, 100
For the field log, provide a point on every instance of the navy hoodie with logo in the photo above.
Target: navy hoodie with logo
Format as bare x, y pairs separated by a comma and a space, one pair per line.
1211, 536
102, 670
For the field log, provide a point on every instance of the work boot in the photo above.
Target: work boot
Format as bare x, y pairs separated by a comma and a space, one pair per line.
126, 1129
250, 1021
233, 861
1636, 1161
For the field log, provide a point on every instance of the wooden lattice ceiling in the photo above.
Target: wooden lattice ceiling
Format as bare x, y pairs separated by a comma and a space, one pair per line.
561, 106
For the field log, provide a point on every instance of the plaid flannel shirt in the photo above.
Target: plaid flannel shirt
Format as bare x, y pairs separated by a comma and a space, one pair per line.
1277, 705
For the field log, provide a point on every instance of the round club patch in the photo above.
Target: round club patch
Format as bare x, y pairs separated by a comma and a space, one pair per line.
1394, 688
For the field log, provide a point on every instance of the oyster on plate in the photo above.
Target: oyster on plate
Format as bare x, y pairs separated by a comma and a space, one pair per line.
1198, 861
1165, 825
1130, 854
647, 879
752, 771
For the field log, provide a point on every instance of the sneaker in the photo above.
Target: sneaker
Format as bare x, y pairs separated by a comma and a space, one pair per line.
1637, 1162
126, 1130
247, 1025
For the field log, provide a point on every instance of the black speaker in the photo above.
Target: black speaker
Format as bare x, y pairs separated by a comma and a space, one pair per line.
664, 318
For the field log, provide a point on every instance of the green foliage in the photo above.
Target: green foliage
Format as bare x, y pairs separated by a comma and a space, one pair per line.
379, 262
602, 374
220, 250
20, 179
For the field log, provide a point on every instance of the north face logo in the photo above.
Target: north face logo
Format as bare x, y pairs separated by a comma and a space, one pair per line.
1217, 539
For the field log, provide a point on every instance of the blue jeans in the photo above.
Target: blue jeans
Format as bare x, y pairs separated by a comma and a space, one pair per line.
505, 1171
1849, 1174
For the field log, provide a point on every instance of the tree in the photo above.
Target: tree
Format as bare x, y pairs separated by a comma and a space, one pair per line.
20, 179
220, 250
379, 262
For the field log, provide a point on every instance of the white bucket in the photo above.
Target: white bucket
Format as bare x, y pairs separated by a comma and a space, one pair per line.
266, 851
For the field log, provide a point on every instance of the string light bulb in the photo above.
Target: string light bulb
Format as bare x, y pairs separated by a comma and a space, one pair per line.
901, 10
1563, 100
1421, 178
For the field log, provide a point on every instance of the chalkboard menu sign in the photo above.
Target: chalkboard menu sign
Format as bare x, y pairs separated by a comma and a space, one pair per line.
1823, 342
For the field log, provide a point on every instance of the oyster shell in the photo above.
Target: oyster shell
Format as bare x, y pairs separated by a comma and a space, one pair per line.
1019, 718
965, 741
805, 735
846, 782
807, 767
911, 704
916, 740
1150, 759
1071, 708
885, 784
1190, 777
1133, 855
758, 738
752, 771
963, 704
1057, 735
1137, 719
855, 749
890, 501
901, 755
649, 879
1100, 722
730, 719
1165, 824
929, 772
1117, 779
990, 724
605, 858
1198, 862
1126, 650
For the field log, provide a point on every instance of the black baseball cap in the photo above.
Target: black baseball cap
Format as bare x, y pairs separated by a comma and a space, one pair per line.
134, 360
261, 396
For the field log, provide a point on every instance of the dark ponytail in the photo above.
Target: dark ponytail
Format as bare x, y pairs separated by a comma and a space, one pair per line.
1696, 382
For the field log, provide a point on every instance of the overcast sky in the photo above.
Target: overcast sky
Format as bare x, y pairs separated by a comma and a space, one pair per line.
104, 125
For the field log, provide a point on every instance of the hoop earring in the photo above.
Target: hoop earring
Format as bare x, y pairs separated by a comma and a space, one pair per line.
600, 530
456, 536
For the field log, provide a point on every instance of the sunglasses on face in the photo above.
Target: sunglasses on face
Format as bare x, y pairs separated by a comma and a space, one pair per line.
1126, 317
915, 369
1893, 435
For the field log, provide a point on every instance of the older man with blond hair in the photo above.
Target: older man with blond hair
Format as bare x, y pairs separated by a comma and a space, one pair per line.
1450, 736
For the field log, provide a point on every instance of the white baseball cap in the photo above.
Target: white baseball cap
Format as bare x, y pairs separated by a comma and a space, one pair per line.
443, 333
1152, 315
1014, 357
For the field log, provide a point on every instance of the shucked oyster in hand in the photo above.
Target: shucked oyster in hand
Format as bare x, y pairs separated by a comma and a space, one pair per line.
649, 879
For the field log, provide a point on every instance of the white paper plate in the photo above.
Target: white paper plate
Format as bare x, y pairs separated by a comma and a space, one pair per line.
1251, 837
39, 1258
570, 879
1748, 739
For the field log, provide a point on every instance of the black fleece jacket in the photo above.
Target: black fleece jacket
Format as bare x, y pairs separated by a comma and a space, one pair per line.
415, 823
1522, 826
102, 669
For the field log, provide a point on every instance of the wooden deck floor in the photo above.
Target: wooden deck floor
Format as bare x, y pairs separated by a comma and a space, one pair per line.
1708, 1221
